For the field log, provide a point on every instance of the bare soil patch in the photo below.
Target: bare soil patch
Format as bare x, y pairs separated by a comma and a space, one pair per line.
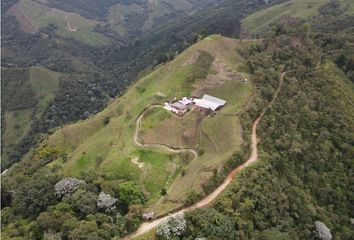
219, 74
192, 59
135, 161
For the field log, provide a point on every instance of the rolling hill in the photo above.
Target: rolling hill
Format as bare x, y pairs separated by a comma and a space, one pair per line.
33, 17
293, 9
104, 143
113, 143
94, 178
97, 26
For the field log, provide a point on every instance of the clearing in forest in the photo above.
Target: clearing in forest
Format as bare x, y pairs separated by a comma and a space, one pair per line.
33, 15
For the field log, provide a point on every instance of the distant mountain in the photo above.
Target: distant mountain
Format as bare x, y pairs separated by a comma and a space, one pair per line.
294, 10
95, 22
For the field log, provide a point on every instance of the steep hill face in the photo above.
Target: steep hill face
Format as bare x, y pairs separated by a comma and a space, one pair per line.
121, 147
27, 93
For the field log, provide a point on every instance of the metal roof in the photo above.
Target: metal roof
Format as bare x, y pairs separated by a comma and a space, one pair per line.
206, 104
209, 102
215, 100
179, 105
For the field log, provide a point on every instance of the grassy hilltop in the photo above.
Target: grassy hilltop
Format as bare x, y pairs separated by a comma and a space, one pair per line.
104, 143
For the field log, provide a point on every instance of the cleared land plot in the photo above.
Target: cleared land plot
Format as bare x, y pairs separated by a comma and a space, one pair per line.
66, 24
175, 131
114, 142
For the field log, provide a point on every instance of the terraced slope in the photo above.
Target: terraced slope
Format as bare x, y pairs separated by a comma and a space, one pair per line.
105, 143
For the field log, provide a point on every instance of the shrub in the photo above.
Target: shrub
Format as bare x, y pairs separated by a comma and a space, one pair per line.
174, 226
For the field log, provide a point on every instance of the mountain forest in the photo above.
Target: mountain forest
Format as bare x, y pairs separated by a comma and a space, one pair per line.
177, 119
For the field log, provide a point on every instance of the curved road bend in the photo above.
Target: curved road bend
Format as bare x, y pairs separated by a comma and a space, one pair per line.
147, 226
152, 145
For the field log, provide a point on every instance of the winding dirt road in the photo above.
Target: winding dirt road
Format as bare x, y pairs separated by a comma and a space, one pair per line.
156, 145
147, 226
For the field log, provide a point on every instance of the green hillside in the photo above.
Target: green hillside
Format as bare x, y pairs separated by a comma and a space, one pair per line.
113, 143
27, 92
33, 16
92, 22
302, 9
109, 149
133, 18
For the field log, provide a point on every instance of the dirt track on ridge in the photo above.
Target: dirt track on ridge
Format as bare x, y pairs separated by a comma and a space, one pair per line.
156, 145
147, 226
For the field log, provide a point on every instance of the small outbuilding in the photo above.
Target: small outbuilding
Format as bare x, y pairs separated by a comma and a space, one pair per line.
148, 216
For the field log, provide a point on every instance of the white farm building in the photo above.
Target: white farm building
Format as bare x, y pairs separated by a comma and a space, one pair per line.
209, 102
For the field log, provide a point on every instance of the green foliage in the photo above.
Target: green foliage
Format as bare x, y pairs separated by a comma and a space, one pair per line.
34, 195
208, 222
17, 92
130, 193
86, 230
163, 192
305, 162
84, 202
192, 197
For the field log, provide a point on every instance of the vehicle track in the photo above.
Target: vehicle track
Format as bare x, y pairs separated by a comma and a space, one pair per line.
156, 145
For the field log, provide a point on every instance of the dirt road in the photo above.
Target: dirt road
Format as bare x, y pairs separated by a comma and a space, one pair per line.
155, 145
145, 227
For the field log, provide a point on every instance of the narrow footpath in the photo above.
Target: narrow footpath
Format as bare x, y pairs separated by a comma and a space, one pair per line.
147, 226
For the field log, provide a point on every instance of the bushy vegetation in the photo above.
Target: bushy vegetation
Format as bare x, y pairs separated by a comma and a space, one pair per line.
306, 140
84, 213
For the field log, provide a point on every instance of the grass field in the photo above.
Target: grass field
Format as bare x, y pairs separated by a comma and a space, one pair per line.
44, 83
303, 9
174, 131
68, 24
154, 168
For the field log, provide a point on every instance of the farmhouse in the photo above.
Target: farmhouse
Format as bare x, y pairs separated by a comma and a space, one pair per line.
179, 107
209, 102
176, 107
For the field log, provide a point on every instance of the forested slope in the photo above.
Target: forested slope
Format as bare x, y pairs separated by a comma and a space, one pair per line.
306, 140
